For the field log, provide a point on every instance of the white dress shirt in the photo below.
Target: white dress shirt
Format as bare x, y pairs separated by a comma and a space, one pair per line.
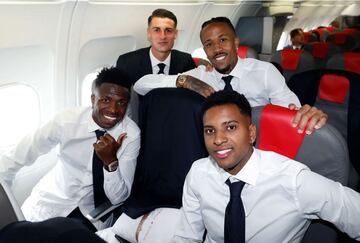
259, 81
155, 62
280, 198
70, 184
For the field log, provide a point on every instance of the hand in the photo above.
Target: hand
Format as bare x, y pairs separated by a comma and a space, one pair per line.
310, 116
106, 147
198, 86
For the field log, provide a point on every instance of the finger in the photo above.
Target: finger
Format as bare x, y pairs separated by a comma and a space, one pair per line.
293, 107
300, 112
107, 138
316, 122
121, 138
306, 118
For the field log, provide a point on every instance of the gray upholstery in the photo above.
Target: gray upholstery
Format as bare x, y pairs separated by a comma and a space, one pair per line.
348, 45
9, 209
306, 63
325, 152
321, 62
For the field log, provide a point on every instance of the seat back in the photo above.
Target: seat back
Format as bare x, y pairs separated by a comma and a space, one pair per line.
309, 37
293, 61
324, 152
345, 40
321, 51
326, 89
171, 139
247, 51
349, 61
10, 210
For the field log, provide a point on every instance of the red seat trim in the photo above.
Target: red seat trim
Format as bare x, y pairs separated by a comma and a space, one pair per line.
276, 131
333, 88
352, 62
242, 51
290, 59
320, 49
340, 38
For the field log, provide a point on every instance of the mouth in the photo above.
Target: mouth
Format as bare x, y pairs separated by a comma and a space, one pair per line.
224, 153
110, 118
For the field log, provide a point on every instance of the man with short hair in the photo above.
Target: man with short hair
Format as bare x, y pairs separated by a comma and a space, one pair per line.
297, 39
259, 81
102, 131
242, 194
161, 33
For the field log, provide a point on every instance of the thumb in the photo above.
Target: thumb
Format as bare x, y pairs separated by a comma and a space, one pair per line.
121, 138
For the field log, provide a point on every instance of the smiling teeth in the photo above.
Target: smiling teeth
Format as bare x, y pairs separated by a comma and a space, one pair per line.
223, 151
220, 58
110, 118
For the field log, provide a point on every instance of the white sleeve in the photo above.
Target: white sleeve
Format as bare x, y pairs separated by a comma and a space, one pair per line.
190, 227
323, 198
279, 92
117, 184
29, 149
153, 81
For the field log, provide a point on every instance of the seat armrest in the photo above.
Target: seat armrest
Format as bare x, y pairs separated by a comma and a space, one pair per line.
101, 210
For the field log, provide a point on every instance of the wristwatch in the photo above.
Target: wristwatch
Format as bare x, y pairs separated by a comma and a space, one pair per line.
181, 79
112, 166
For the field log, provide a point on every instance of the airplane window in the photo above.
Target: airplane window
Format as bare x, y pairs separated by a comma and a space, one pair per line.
20, 109
86, 88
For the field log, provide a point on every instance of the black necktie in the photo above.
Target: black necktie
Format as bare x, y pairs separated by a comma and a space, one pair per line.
227, 80
234, 228
98, 176
161, 68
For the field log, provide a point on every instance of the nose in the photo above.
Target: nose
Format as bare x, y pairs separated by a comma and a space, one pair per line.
217, 46
162, 34
220, 138
112, 107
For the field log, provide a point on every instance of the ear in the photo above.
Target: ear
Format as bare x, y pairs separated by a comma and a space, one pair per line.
148, 33
176, 33
252, 133
92, 100
237, 42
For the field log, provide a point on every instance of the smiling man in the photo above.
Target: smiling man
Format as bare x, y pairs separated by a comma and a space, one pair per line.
259, 81
98, 147
242, 194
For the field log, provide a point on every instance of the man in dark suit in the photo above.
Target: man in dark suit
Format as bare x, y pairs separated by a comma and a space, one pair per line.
161, 33
159, 57
297, 39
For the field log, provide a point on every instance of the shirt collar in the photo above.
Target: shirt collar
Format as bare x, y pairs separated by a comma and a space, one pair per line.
155, 61
248, 174
236, 72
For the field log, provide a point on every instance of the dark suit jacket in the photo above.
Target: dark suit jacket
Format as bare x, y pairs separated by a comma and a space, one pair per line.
137, 63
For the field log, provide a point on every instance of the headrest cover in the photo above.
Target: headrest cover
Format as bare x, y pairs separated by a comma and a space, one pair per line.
306, 37
340, 38
290, 58
352, 62
196, 60
333, 88
242, 51
320, 49
276, 131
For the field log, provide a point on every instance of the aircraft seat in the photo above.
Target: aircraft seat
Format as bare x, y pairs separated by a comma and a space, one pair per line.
349, 61
345, 40
293, 61
321, 51
309, 37
10, 210
324, 152
247, 51
336, 92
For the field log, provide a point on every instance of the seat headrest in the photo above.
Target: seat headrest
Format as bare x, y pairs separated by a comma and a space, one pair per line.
340, 38
276, 131
333, 88
242, 51
320, 49
352, 62
290, 58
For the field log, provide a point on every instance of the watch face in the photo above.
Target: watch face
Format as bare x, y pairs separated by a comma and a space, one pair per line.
113, 166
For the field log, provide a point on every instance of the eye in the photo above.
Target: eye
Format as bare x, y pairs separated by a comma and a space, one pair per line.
156, 29
209, 131
222, 40
104, 100
169, 31
208, 45
231, 127
122, 103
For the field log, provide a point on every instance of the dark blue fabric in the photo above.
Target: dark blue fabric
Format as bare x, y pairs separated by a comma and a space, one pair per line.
98, 176
234, 225
55, 230
171, 140
227, 80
